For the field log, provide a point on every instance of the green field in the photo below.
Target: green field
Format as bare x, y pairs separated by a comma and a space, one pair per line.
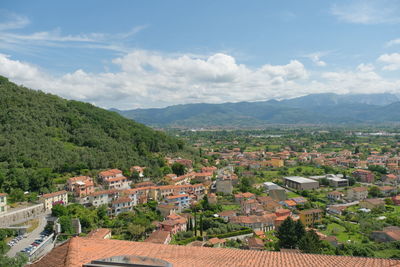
341, 234
230, 207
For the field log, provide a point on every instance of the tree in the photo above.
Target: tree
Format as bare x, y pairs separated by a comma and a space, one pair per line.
18, 261
201, 224
66, 225
17, 195
59, 210
135, 231
178, 168
299, 229
310, 243
287, 234
374, 191
205, 203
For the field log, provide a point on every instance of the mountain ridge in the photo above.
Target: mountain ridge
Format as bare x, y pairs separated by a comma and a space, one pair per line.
327, 108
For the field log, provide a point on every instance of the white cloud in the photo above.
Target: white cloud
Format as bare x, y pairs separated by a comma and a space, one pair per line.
367, 11
316, 58
393, 42
11, 40
392, 61
12, 21
152, 79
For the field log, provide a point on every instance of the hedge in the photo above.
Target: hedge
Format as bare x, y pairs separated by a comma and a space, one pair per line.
235, 233
189, 240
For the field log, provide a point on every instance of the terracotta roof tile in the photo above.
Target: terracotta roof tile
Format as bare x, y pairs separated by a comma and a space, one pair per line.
79, 251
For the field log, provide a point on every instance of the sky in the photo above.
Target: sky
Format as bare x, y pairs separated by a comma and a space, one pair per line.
145, 54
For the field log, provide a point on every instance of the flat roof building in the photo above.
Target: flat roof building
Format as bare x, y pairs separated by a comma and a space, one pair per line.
300, 183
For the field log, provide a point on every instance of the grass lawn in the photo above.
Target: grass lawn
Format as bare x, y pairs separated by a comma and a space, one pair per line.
341, 234
386, 253
292, 195
230, 207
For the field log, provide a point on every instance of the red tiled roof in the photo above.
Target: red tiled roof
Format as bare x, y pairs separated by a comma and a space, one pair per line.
99, 233
158, 237
54, 194
110, 172
177, 196
122, 200
359, 189
115, 179
216, 240
79, 251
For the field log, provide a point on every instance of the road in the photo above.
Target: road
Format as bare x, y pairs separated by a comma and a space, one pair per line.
25, 242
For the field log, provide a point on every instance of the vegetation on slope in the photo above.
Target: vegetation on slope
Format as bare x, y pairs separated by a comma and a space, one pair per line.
43, 136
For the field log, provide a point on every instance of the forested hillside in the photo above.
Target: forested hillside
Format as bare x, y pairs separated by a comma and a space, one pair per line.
43, 136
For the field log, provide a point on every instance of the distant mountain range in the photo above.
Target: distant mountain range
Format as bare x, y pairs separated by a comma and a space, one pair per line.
315, 109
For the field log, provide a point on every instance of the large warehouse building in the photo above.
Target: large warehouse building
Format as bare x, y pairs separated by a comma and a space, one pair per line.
300, 183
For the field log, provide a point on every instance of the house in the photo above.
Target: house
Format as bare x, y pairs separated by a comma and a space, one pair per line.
212, 198
227, 214
144, 184
391, 179
82, 251
103, 197
357, 193
251, 206
283, 212
108, 174
259, 234
336, 181
181, 200
138, 169
224, 186
212, 169
240, 197
159, 237
3, 203
396, 200
203, 176
255, 243
371, 203
387, 190
122, 204
299, 200
174, 224
278, 194
272, 206
276, 162
60, 197
256, 222
311, 216
388, 234
215, 242
167, 209
364, 176
120, 182
81, 185
300, 183
335, 196
289, 204
100, 233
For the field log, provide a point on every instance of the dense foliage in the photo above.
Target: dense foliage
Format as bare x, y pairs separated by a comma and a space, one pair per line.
43, 136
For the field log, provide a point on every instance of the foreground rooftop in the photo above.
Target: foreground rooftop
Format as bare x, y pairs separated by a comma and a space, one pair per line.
78, 251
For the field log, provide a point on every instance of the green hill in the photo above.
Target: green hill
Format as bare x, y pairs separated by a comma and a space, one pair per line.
43, 136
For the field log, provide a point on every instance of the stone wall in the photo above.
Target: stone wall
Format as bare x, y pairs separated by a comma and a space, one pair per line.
17, 216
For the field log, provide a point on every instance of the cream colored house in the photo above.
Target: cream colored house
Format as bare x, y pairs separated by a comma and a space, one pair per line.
3, 203
60, 197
